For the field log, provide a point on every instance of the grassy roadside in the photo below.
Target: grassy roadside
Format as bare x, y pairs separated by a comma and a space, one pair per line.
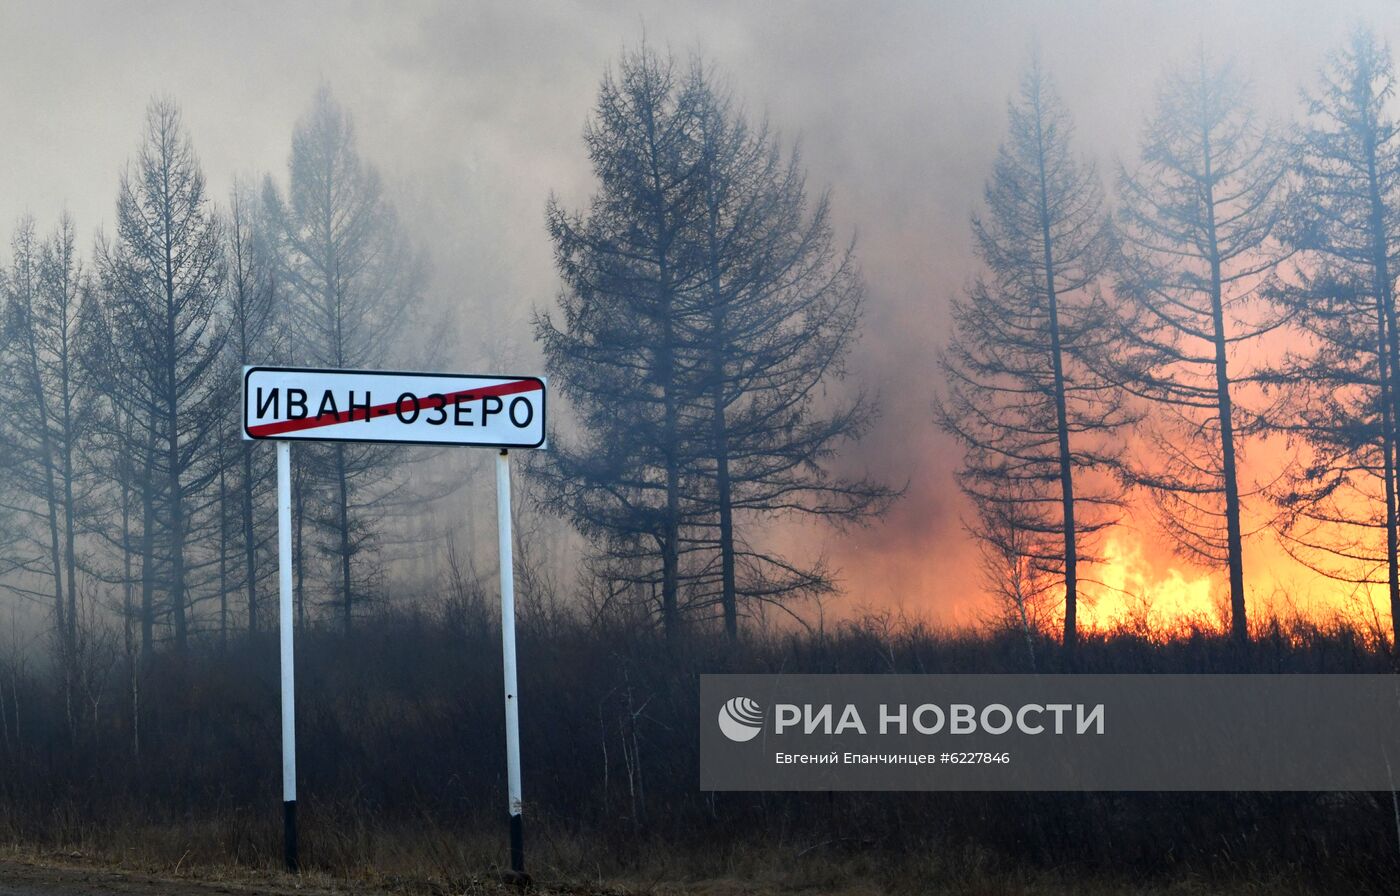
35, 872
402, 774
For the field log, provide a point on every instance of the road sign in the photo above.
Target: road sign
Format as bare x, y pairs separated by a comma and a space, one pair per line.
289, 404
305, 404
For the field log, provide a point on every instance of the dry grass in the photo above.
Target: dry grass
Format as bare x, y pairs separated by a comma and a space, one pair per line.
403, 776
144, 862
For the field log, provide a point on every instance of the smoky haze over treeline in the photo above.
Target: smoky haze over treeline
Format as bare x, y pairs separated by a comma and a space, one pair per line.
474, 117
1074, 321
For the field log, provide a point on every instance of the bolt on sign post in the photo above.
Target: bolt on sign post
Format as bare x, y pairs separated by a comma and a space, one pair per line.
290, 404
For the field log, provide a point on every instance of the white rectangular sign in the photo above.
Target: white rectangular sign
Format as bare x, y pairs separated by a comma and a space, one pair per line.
297, 403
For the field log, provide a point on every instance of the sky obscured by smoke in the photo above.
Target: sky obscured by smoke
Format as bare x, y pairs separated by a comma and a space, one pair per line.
474, 111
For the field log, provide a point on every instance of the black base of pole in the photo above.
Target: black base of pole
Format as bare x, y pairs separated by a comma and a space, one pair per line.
517, 844
289, 834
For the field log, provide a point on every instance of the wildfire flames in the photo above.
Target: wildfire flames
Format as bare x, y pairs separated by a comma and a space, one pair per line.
1135, 591
1139, 584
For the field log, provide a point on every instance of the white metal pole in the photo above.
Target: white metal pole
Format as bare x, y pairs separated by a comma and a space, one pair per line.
289, 728
503, 527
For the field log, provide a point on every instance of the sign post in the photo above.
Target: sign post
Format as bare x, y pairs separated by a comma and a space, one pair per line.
288, 404
284, 617
507, 554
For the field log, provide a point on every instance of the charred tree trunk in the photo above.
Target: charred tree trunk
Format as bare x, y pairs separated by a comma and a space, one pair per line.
1239, 627
250, 544
1387, 386
343, 536
1389, 363
1066, 460
223, 552
148, 552
724, 497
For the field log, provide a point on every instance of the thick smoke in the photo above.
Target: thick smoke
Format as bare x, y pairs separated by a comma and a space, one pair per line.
474, 113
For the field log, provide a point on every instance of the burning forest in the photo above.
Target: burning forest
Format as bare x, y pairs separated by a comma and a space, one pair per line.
875, 342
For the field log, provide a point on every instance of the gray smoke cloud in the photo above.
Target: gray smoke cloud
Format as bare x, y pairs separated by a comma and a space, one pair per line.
474, 113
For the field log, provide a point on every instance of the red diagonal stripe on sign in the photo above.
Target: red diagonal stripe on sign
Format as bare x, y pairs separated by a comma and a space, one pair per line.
263, 430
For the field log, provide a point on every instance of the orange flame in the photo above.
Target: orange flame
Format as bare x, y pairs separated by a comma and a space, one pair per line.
1133, 591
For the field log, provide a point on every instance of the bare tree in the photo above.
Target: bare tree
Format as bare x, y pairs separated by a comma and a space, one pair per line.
354, 282
22, 380
631, 279
705, 312
49, 394
252, 296
165, 276
1034, 418
1198, 224
1006, 534
122, 445
1345, 222
118, 456
778, 311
